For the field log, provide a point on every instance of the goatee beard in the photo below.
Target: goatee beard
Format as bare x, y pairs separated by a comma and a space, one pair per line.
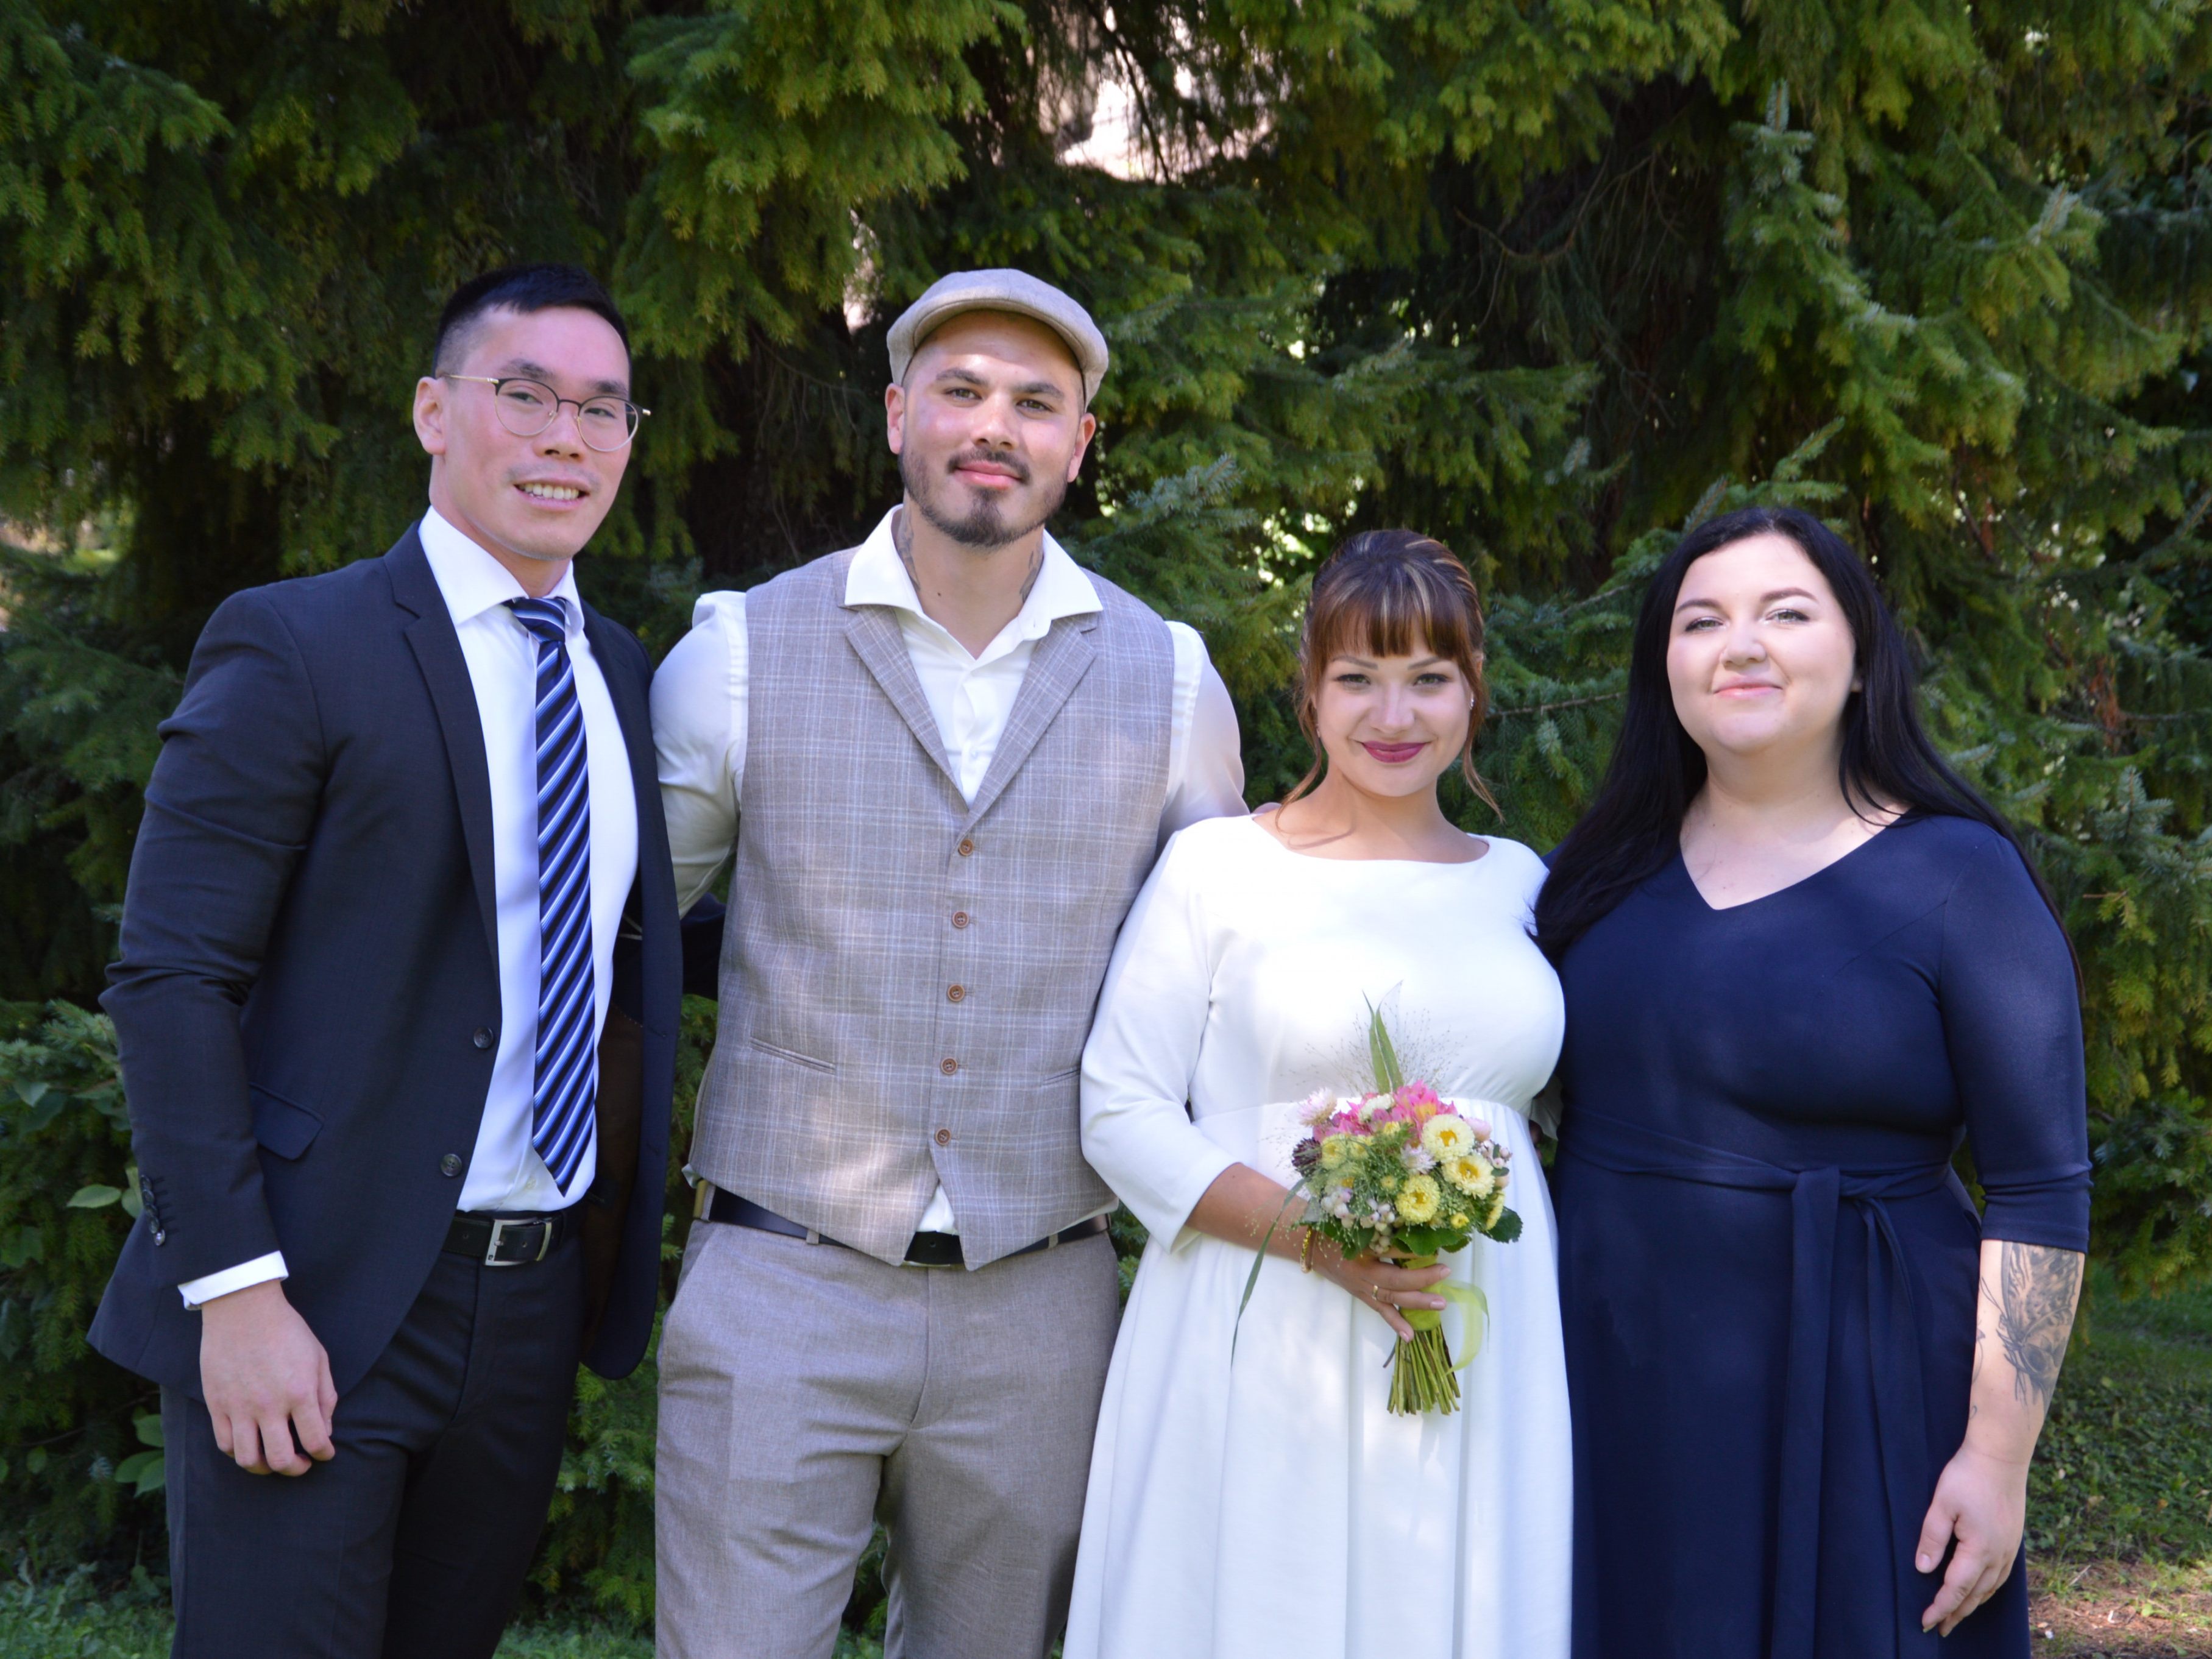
986, 527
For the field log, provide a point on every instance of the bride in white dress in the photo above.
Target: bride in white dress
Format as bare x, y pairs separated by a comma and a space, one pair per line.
1264, 1502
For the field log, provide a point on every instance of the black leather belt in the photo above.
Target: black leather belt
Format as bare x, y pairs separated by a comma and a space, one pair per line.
922, 1250
507, 1241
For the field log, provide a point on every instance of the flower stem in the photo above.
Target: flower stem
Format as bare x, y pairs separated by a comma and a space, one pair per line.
1421, 1377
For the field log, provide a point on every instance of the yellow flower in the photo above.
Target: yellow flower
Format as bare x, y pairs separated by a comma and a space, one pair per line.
1460, 1219
1445, 1136
1469, 1173
1334, 1151
1389, 1183
1418, 1199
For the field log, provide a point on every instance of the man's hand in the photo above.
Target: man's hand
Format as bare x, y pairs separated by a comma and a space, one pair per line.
265, 1377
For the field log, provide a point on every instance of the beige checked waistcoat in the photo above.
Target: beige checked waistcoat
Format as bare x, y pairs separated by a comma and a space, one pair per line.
909, 978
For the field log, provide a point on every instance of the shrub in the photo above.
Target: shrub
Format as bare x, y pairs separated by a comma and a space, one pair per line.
74, 1478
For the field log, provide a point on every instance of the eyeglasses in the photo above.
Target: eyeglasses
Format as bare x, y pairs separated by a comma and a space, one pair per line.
526, 408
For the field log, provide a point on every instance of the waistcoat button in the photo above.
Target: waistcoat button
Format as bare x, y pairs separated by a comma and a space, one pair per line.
967, 847
450, 1164
482, 1037
949, 1067
959, 918
956, 993
944, 1137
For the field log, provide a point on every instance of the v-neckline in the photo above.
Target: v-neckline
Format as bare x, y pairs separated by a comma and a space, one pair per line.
1682, 863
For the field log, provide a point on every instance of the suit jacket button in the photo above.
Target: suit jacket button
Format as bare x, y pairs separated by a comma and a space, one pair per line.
160, 1236
482, 1037
944, 1137
450, 1164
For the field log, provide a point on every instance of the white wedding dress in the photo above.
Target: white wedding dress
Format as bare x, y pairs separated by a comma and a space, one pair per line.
1267, 1506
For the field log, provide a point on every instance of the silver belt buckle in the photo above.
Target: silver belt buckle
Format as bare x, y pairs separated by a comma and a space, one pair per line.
498, 1227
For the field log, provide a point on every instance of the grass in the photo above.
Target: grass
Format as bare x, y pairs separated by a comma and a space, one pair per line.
2120, 1501
2120, 1519
77, 1619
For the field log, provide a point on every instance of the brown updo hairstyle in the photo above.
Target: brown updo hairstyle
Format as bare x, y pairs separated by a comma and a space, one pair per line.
1387, 593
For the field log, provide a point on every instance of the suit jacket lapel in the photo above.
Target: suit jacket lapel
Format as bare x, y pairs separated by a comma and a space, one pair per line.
437, 650
634, 716
1062, 658
874, 633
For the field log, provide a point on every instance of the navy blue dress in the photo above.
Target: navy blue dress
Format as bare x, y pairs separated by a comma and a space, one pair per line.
1767, 1269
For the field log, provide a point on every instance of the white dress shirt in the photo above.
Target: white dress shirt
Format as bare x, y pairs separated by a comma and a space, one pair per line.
505, 1172
699, 713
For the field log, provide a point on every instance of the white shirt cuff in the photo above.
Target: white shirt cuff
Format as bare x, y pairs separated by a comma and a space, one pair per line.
199, 1292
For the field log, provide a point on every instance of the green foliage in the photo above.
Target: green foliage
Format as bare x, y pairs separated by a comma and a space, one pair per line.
1549, 281
75, 1616
2125, 1468
73, 1428
78, 706
598, 1540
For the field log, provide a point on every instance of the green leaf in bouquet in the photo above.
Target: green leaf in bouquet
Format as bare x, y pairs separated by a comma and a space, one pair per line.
1430, 1240
1252, 1279
1508, 1228
1476, 1306
1388, 1077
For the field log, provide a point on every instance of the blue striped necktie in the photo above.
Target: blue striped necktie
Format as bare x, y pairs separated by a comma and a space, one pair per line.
567, 1080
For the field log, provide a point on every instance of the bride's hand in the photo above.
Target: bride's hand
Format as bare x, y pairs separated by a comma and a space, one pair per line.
1382, 1286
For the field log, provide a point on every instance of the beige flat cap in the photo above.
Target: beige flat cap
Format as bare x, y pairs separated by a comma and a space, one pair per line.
1016, 291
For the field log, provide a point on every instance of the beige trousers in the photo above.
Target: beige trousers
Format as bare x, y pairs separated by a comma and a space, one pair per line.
807, 1391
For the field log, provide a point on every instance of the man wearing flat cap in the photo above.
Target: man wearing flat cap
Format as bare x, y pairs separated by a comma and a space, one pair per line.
955, 755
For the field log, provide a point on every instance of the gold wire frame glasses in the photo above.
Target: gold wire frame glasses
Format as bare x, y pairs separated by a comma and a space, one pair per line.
526, 408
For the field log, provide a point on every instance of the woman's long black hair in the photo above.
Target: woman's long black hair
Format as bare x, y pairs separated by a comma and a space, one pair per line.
1634, 827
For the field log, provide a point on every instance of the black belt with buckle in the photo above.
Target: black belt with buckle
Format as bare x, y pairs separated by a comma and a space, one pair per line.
922, 1250
507, 1241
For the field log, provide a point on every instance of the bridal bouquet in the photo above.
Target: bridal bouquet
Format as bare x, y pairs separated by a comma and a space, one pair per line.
1401, 1172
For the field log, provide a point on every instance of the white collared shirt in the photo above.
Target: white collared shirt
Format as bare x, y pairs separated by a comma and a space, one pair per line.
505, 1172
699, 712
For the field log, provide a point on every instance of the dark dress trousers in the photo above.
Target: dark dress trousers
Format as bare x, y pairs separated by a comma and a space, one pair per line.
1768, 1270
307, 1005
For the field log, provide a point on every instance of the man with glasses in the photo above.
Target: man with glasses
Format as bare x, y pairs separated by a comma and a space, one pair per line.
392, 1094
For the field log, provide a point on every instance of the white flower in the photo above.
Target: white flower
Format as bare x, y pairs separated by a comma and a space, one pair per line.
1469, 1173
1447, 1136
1416, 1159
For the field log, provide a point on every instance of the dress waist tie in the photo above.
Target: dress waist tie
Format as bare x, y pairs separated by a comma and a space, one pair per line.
1816, 1198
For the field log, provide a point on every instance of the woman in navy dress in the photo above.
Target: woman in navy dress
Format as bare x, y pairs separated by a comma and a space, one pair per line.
1802, 961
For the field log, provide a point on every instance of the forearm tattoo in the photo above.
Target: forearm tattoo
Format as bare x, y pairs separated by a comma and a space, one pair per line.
2034, 1306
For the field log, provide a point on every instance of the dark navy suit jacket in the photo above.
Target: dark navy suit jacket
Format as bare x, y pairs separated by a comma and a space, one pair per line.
307, 999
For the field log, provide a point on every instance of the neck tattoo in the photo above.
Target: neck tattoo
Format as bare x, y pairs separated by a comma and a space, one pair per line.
903, 544
903, 540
